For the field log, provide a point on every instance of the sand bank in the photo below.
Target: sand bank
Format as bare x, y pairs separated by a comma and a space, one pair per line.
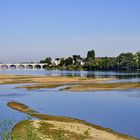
54, 127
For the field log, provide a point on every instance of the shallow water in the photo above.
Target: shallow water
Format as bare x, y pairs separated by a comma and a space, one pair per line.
119, 110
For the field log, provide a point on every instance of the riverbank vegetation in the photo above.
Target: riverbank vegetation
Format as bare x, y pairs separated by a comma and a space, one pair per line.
124, 61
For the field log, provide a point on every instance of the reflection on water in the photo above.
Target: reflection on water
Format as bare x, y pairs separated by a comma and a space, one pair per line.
133, 94
119, 110
120, 75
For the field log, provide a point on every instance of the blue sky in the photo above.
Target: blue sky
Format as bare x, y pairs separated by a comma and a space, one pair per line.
33, 29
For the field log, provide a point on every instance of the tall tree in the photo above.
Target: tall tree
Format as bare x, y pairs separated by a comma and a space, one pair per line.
68, 61
91, 55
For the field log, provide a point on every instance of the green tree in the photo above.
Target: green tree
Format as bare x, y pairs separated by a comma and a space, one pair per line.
137, 59
106, 64
125, 61
68, 61
47, 60
62, 62
91, 55
90, 65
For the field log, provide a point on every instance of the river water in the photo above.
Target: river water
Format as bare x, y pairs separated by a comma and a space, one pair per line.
118, 110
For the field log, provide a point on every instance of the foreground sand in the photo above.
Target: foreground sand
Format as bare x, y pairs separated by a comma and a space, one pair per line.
59, 127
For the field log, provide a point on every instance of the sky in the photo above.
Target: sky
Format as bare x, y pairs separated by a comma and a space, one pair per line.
31, 30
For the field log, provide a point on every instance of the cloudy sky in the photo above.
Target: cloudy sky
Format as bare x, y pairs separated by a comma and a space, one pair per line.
31, 30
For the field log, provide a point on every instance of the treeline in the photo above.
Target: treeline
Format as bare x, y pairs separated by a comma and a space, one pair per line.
124, 61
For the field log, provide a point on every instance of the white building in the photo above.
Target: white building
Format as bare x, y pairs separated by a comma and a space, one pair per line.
56, 61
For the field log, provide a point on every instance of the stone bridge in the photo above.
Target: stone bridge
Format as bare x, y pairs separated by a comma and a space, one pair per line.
24, 66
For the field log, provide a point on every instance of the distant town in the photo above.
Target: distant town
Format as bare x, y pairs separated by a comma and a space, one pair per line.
124, 61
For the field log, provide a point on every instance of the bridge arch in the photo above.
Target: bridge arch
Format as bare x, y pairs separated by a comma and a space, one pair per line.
29, 66
44, 66
4, 66
13, 66
21, 66
37, 66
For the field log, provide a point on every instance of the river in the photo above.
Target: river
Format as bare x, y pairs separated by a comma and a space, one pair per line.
118, 109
